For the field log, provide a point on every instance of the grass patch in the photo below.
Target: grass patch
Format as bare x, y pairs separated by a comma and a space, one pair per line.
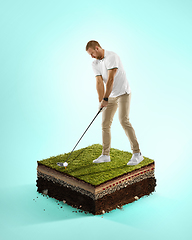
81, 164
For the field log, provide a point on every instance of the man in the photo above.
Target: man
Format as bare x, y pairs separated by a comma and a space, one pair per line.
109, 69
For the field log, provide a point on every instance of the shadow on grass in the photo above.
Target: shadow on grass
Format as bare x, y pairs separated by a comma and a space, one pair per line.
87, 166
79, 153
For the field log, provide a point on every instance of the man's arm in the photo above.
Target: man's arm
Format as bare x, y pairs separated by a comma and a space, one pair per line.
109, 85
100, 87
110, 81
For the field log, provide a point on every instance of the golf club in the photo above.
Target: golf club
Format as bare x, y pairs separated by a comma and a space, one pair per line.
65, 164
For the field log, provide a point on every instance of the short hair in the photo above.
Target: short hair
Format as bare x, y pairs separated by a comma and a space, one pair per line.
92, 44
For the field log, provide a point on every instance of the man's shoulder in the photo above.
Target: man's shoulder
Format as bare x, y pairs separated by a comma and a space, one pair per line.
111, 54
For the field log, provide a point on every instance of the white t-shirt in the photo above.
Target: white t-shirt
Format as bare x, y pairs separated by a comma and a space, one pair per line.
111, 60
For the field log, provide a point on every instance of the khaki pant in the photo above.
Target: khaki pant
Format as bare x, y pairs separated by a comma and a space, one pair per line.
123, 102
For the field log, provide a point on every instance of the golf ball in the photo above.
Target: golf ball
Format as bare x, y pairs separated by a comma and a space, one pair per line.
65, 164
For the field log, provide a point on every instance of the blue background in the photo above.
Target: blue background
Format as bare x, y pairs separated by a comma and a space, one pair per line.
48, 98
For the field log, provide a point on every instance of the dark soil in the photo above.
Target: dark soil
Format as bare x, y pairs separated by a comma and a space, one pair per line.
107, 203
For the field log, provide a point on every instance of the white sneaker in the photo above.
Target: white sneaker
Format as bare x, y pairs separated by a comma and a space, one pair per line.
102, 158
136, 159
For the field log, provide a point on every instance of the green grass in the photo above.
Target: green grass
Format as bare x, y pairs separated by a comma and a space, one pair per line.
81, 164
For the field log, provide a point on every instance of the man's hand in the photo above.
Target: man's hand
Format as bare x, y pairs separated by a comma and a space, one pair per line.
104, 103
103, 108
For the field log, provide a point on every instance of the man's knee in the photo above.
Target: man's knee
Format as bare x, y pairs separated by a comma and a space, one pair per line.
106, 125
124, 121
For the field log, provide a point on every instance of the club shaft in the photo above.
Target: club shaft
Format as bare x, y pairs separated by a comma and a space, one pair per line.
84, 133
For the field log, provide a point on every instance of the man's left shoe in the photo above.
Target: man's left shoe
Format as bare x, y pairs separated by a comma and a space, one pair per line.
102, 158
136, 159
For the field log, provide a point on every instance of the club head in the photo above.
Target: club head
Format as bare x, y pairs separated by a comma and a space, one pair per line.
60, 164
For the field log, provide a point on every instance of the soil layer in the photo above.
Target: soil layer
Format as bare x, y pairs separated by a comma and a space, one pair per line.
105, 204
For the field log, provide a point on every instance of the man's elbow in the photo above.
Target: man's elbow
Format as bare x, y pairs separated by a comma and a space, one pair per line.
110, 80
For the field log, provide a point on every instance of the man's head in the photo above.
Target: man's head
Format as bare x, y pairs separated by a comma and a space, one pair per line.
94, 49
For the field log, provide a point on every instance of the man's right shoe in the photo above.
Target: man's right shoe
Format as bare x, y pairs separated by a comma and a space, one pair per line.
136, 159
102, 158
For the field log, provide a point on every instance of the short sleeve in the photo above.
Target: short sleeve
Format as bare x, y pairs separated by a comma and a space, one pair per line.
112, 62
95, 69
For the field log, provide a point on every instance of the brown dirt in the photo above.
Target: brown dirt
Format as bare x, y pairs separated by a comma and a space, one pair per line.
107, 203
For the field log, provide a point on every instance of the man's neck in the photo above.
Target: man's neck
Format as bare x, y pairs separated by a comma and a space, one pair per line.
103, 53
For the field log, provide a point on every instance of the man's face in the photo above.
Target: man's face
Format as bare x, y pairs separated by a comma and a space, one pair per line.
94, 53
